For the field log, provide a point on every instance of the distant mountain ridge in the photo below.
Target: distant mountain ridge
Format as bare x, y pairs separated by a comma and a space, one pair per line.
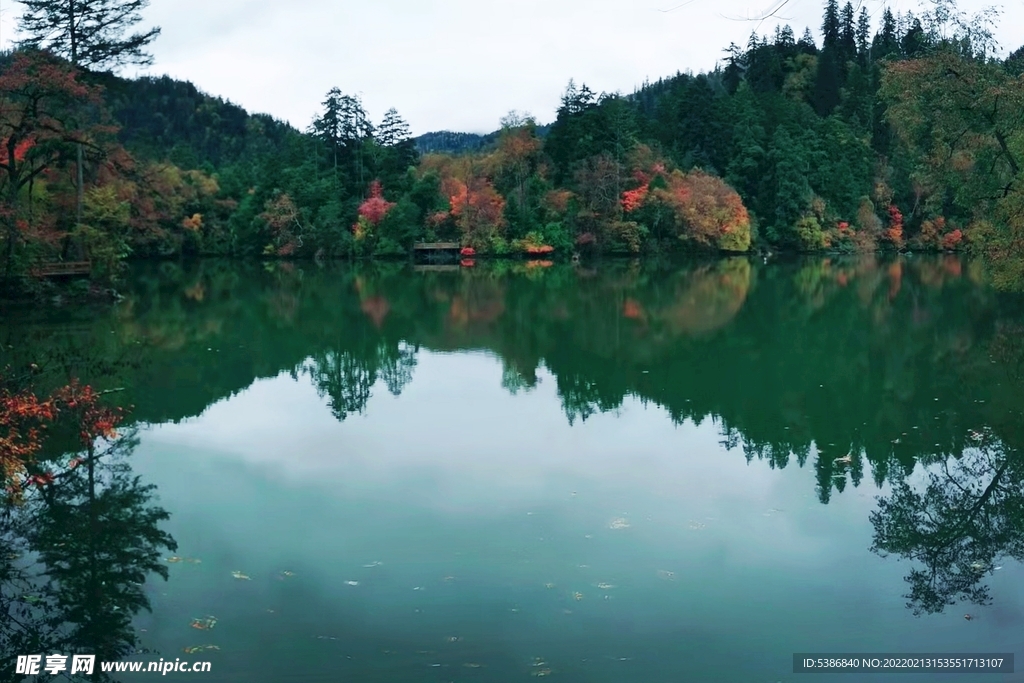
451, 142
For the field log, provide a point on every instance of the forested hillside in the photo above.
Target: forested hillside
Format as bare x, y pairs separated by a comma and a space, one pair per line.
904, 133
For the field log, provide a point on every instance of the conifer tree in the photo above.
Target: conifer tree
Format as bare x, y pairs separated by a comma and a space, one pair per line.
88, 33
863, 35
93, 34
830, 26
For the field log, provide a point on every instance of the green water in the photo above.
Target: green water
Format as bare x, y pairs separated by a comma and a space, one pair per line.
612, 473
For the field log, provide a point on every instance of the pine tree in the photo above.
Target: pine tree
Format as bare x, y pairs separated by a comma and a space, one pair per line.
830, 26
88, 33
826, 84
915, 40
863, 35
885, 42
806, 43
393, 129
847, 37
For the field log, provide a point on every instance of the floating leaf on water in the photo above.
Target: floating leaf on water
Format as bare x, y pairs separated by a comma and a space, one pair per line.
371, 565
619, 523
514, 610
473, 665
664, 574
449, 578
204, 624
540, 672
174, 560
270, 611
968, 617
577, 596
287, 574
453, 639
697, 526
997, 568
240, 576
32, 599
549, 585
193, 560
351, 583
605, 586
201, 648
417, 588
588, 536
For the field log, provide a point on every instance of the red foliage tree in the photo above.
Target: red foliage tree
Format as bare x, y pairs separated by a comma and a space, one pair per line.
26, 419
375, 208
43, 108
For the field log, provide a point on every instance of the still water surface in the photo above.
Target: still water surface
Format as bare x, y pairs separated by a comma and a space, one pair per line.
621, 473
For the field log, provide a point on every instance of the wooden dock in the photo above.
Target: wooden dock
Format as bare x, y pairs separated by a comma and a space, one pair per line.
427, 247
61, 269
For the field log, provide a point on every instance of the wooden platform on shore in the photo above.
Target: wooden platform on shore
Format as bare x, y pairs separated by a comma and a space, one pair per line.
436, 246
59, 269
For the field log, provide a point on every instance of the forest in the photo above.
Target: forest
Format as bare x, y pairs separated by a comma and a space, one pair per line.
907, 135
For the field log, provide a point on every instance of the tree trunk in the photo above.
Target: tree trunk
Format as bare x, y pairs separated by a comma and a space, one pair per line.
81, 187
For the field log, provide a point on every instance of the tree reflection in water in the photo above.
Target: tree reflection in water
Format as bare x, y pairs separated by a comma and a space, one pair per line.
965, 518
864, 369
74, 560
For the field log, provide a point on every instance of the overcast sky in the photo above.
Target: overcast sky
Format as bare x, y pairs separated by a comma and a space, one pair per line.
455, 64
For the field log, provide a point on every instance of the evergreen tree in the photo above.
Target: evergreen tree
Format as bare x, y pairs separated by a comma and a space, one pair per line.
915, 40
885, 42
393, 129
863, 35
88, 33
830, 26
806, 43
826, 84
847, 37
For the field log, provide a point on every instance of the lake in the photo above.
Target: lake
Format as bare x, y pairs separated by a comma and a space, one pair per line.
609, 472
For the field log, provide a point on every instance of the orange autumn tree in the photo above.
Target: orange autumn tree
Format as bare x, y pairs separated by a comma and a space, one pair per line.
479, 211
707, 211
475, 207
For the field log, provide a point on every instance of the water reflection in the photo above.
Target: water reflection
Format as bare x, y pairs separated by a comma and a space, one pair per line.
858, 369
958, 526
75, 557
